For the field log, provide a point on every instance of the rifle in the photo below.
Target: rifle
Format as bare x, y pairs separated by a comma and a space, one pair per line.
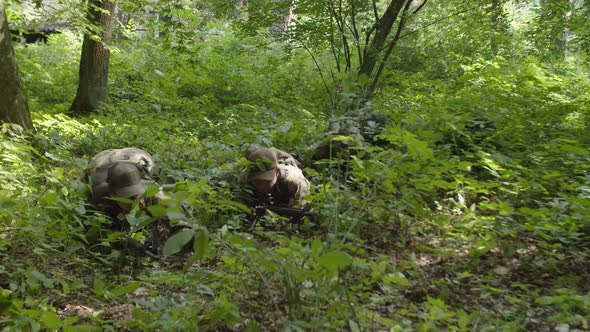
282, 210
294, 214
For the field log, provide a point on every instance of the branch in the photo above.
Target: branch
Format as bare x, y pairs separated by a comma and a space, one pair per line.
375, 12
371, 30
314, 60
317, 66
419, 7
355, 32
391, 46
439, 20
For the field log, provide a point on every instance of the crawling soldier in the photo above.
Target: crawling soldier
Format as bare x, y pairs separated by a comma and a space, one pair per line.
124, 174
276, 180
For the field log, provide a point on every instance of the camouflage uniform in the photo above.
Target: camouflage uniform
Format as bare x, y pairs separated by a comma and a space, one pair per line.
125, 173
291, 186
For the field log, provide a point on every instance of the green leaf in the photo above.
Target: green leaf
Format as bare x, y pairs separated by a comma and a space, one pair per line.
335, 260
363, 79
99, 286
234, 205
437, 302
5, 301
463, 275
70, 320
316, 247
50, 320
126, 289
175, 215
35, 277
342, 138
80, 209
177, 241
397, 278
573, 149
151, 190
201, 244
49, 198
482, 248
157, 210
82, 328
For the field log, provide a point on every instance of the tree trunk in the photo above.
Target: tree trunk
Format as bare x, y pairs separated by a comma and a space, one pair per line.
382, 31
13, 101
389, 48
94, 62
285, 17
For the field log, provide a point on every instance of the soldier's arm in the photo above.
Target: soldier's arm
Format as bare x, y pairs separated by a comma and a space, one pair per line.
297, 184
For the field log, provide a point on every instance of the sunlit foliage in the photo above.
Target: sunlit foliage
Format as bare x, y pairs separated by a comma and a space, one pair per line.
467, 210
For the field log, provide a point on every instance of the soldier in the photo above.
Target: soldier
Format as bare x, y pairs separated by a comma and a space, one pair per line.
125, 173
277, 182
99, 176
275, 175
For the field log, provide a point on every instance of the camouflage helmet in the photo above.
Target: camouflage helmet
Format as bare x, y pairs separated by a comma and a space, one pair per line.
96, 173
264, 162
124, 180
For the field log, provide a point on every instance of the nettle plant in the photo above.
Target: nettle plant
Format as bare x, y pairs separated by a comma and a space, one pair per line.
42, 208
485, 155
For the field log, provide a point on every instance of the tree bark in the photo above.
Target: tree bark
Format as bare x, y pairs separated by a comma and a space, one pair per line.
13, 101
285, 17
392, 43
94, 62
382, 30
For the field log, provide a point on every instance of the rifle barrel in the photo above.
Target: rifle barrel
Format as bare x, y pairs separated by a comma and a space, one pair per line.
292, 212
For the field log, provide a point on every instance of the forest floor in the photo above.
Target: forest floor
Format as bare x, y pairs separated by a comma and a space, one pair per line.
491, 285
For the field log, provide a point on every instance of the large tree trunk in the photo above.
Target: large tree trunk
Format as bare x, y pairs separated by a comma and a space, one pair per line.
382, 31
94, 62
13, 101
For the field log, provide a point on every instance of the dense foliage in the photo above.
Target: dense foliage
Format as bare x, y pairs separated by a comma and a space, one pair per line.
467, 209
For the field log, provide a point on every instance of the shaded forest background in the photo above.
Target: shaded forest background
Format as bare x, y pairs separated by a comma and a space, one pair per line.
455, 194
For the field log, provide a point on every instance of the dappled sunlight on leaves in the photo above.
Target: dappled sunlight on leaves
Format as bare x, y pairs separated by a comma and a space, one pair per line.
465, 208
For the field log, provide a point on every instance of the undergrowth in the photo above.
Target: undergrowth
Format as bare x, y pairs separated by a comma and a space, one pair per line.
468, 212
